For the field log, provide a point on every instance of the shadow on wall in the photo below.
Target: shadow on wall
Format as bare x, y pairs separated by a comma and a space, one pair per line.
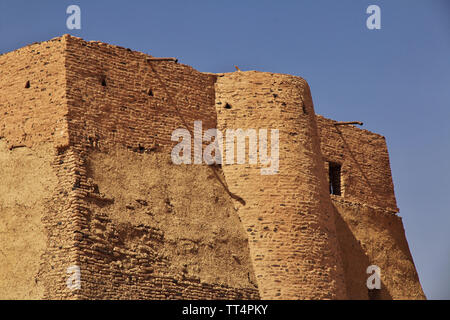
355, 263
347, 146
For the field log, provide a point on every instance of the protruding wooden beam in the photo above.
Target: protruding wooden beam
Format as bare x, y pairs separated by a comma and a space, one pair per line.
162, 59
348, 122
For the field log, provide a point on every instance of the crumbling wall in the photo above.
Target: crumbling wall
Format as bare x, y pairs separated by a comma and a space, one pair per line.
93, 96
369, 230
118, 97
33, 107
32, 94
27, 184
156, 230
366, 172
373, 236
288, 216
35, 223
85, 132
118, 100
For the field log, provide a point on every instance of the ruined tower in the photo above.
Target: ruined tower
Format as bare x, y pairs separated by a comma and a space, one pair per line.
88, 182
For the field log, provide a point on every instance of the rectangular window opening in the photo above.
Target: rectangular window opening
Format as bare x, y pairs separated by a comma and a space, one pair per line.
334, 178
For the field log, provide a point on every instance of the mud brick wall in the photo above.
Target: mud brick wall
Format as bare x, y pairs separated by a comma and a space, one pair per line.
117, 100
55, 213
32, 118
288, 216
62, 100
146, 235
369, 230
89, 112
32, 94
366, 172
117, 97
374, 236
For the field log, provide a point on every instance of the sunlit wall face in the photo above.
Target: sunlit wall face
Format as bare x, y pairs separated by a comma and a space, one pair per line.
395, 77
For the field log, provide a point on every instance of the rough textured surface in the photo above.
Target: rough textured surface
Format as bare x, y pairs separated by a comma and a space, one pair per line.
135, 105
151, 222
369, 230
373, 236
28, 182
85, 139
33, 100
288, 215
366, 172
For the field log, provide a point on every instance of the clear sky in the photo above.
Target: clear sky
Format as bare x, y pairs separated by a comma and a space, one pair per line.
396, 79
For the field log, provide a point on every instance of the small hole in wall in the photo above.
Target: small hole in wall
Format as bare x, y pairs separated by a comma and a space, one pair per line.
150, 92
104, 81
304, 109
27, 85
227, 106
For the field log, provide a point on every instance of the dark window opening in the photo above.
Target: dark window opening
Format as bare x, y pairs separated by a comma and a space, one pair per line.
334, 177
150, 92
104, 81
227, 106
27, 85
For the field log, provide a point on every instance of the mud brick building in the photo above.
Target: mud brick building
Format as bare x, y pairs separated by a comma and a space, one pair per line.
87, 180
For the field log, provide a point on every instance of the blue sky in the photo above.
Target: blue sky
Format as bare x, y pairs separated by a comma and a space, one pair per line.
396, 80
